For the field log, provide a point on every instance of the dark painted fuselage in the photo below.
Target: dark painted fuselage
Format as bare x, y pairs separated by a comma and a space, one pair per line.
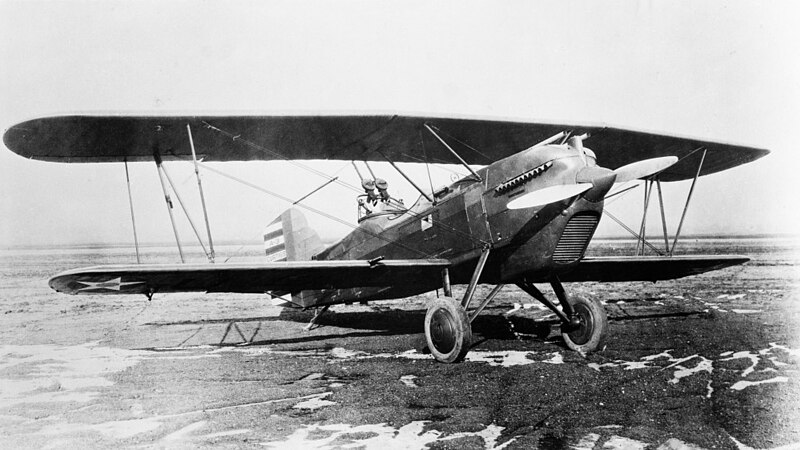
470, 215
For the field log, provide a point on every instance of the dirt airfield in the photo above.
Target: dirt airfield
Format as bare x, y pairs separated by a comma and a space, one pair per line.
711, 361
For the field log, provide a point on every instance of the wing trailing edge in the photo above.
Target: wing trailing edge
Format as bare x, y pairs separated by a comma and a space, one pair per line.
648, 268
292, 276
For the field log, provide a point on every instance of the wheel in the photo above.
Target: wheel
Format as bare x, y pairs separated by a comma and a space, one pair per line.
589, 335
447, 330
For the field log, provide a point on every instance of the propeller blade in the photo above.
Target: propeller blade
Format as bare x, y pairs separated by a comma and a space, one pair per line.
643, 168
548, 195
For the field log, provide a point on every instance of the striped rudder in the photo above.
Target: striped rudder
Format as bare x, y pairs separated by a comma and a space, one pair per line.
275, 242
289, 238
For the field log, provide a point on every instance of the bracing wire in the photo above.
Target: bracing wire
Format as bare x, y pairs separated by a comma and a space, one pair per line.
315, 210
238, 138
463, 143
241, 247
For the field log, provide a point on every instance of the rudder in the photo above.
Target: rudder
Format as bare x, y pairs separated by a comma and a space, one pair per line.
289, 238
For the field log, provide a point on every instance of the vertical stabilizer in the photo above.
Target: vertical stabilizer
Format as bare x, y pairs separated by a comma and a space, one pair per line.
289, 238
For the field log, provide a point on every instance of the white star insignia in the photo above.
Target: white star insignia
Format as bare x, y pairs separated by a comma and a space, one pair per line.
114, 284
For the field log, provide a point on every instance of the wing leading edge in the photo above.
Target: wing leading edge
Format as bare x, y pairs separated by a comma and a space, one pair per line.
87, 139
297, 276
648, 268
248, 278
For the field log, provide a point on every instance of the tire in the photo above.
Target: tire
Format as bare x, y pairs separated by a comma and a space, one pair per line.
447, 330
591, 333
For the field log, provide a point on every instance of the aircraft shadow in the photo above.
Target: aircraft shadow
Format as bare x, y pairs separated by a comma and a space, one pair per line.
389, 322
490, 325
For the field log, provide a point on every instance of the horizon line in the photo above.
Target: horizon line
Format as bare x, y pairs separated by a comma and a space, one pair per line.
119, 244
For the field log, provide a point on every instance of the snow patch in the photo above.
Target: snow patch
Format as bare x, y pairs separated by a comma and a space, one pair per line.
705, 365
344, 353
408, 380
790, 351
53, 373
677, 444
521, 306
620, 443
739, 385
512, 358
185, 432
732, 296
753, 357
382, 435
315, 402
587, 442
118, 429
490, 435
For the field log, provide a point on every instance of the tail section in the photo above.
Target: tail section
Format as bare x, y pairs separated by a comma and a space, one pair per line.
289, 238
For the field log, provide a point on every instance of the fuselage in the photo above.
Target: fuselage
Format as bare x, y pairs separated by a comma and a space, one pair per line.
530, 244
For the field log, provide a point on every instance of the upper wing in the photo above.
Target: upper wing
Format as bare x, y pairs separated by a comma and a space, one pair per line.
247, 278
241, 138
648, 268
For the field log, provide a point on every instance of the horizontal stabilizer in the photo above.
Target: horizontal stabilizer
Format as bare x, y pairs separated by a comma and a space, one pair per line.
292, 276
648, 268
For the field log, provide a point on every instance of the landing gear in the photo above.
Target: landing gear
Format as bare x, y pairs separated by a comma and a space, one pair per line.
448, 330
588, 335
584, 324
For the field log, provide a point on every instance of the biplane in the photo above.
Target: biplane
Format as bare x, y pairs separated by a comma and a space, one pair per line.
524, 214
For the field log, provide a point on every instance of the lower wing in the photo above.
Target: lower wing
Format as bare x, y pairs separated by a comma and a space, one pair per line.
648, 268
248, 278
298, 276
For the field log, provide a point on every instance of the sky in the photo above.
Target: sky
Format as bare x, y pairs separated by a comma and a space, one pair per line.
716, 70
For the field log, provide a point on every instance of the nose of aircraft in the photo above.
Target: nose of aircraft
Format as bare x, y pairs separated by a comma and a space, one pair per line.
601, 179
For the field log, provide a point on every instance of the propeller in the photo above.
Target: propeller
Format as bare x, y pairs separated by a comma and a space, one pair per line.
643, 168
548, 195
590, 177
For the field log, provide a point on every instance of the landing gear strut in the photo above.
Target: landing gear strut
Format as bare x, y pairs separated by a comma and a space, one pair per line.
448, 327
584, 324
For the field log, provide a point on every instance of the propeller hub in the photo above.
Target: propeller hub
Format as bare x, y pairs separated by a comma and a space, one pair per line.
602, 181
